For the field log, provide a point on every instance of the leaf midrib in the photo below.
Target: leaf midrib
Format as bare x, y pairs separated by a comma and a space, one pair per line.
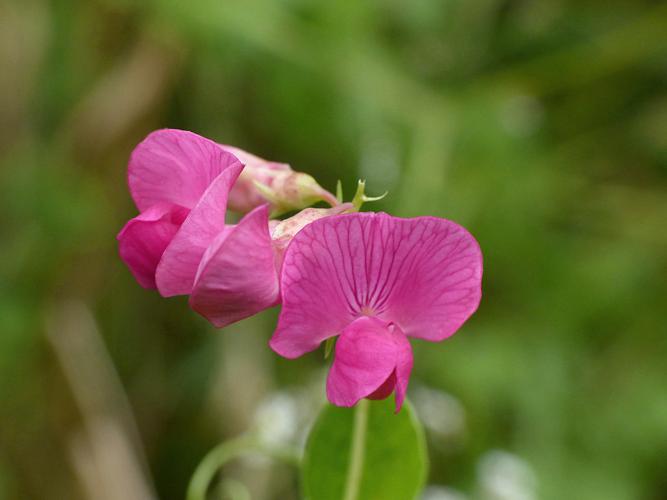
357, 451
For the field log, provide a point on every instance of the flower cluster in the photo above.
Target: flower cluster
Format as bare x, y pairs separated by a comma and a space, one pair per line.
371, 279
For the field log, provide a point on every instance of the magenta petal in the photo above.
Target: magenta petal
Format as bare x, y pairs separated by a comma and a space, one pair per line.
423, 274
237, 276
385, 390
404, 363
178, 267
439, 282
260, 168
175, 166
142, 241
316, 294
399, 378
370, 356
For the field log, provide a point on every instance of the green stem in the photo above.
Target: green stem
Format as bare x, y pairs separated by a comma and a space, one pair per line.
357, 458
360, 196
225, 452
235, 490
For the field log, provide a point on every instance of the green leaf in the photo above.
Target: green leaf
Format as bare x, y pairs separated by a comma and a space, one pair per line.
365, 453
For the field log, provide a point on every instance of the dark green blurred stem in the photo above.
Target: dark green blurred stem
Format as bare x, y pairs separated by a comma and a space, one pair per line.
329, 346
227, 451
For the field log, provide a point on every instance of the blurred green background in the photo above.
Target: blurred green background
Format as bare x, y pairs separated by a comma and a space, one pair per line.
541, 126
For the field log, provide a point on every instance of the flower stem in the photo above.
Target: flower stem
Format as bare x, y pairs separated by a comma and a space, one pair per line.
225, 452
356, 466
360, 196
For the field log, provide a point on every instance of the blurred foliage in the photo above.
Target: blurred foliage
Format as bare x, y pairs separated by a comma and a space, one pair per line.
541, 126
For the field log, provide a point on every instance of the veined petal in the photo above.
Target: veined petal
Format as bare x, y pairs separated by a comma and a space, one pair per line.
142, 241
439, 286
423, 274
178, 267
237, 276
372, 359
175, 166
283, 231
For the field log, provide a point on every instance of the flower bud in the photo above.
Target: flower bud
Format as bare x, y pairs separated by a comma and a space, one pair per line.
277, 183
291, 190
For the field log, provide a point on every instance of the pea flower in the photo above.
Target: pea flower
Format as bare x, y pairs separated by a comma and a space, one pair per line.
180, 244
375, 281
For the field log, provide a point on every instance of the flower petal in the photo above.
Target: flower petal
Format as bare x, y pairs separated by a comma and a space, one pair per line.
142, 241
237, 276
252, 161
178, 267
284, 230
175, 166
366, 363
439, 283
385, 390
404, 363
423, 274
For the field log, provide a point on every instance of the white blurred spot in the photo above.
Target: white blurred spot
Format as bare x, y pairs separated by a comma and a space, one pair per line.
440, 412
504, 476
277, 419
442, 493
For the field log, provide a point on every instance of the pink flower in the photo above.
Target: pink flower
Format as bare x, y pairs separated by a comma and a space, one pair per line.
375, 280
180, 183
180, 244
238, 274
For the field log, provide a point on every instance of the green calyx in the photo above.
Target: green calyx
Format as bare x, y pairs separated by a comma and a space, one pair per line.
360, 196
